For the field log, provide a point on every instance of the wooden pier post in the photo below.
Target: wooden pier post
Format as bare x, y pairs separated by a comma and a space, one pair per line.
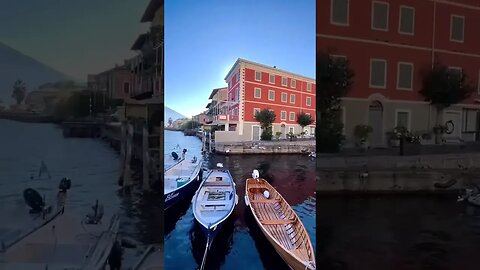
128, 155
145, 159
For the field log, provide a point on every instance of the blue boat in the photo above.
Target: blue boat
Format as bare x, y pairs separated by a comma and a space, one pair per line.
181, 180
213, 203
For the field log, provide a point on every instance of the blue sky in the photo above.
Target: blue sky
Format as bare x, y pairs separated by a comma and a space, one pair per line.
203, 39
74, 37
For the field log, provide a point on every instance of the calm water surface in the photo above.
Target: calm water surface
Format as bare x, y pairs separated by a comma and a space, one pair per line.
240, 244
397, 232
94, 168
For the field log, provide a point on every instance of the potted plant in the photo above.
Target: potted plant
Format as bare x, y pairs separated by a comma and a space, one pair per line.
277, 135
291, 136
361, 133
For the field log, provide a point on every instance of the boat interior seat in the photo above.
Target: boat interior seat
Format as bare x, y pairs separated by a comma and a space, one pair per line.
265, 201
277, 221
216, 183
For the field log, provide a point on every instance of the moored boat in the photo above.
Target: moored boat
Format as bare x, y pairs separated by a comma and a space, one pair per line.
279, 223
181, 180
213, 203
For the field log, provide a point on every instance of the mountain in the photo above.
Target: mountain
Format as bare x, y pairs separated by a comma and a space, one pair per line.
15, 65
173, 114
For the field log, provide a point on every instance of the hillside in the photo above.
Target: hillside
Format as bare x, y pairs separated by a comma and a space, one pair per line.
15, 65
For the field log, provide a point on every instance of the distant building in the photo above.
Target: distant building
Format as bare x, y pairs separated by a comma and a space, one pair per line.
46, 98
217, 107
253, 87
388, 45
201, 118
116, 83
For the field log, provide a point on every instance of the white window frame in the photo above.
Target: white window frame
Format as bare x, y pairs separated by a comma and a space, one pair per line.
348, 15
451, 28
270, 77
293, 83
255, 110
281, 115
338, 56
258, 72
309, 87
411, 77
308, 101
372, 16
384, 77
409, 117
400, 21
271, 91
290, 116
255, 92
286, 97
259, 134
292, 95
286, 81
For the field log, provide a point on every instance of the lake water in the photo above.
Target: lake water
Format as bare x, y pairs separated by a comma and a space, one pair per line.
91, 164
240, 244
397, 232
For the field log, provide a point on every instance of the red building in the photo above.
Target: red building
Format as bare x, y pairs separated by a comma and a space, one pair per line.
388, 44
253, 87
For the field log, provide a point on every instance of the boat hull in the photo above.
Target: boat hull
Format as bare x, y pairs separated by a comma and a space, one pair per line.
291, 260
172, 198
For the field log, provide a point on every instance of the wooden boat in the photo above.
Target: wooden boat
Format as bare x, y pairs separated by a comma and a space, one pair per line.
181, 180
279, 223
213, 203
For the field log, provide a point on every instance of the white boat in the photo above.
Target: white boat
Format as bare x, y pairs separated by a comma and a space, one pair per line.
58, 240
471, 196
152, 259
213, 203
181, 180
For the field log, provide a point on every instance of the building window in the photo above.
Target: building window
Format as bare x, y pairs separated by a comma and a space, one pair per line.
271, 95
284, 81
258, 92
309, 87
380, 16
339, 12
237, 76
457, 24
292, 116
258, 76
378, 73
407, 20
283, 115
309, 101
255, 111
291, 130
284, 97
292, 98
402, 119
272, 78
405, 76
126, 87
293, 83
237, 94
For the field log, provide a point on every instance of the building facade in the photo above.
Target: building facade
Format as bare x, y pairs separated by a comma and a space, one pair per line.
116, 83
388, 45
217, 107
253, 87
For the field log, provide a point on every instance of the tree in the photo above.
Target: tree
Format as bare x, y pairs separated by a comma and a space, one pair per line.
266, 117
334, 79
19, 91
190, 124
443, 87
170, 121
304, 120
